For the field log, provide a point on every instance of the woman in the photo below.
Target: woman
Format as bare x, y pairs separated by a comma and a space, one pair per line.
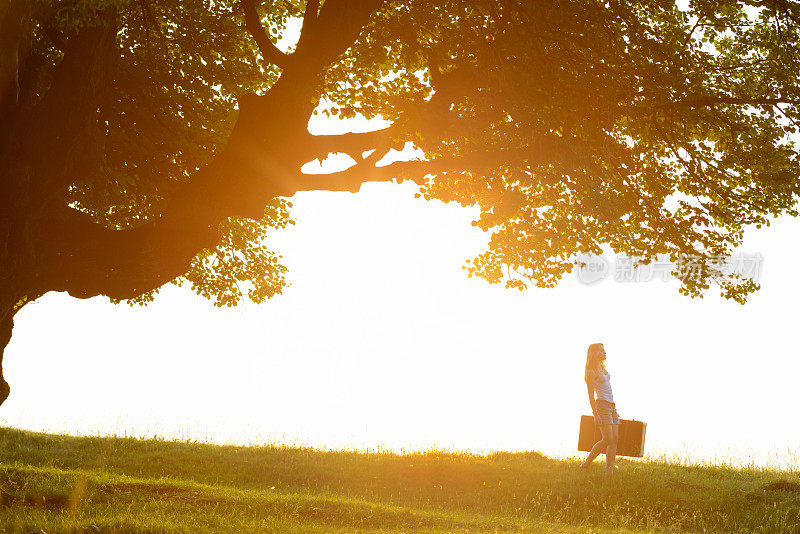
598, 383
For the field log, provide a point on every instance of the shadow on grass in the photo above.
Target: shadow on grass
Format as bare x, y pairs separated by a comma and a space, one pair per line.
783, 485
44, 500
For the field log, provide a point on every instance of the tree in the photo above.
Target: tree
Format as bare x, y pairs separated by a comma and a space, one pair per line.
149, 141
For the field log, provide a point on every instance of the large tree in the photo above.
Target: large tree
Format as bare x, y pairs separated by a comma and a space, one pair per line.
149, 141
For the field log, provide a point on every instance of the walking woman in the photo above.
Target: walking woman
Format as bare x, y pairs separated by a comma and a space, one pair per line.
598, 383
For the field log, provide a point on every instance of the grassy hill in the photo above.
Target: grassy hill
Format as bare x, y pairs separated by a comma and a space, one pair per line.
53, 483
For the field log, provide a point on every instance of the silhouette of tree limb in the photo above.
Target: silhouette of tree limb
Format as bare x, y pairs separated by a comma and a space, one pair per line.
269, 51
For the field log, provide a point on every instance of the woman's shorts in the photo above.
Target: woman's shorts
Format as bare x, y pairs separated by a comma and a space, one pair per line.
606, 413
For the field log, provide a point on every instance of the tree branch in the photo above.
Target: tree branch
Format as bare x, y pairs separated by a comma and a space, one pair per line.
312, 11
252, 22
353, 144
353, 177
334, 30
86, 259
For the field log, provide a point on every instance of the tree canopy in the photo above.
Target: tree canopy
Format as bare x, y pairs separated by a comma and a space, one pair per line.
149, 141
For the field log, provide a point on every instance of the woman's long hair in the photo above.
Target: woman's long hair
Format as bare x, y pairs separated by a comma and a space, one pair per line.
592, 359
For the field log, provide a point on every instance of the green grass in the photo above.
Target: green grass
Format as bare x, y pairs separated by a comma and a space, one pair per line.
55, 483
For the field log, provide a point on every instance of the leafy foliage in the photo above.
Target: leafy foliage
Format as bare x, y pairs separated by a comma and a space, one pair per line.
641, 126
574, 125
241, 258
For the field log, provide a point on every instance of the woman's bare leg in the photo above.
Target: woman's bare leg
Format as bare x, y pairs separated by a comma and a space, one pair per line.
606, 431
611, 449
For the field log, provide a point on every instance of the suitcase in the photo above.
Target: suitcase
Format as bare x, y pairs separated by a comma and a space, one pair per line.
631, 436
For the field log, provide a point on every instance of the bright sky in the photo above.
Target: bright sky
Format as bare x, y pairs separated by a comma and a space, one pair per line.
383, 341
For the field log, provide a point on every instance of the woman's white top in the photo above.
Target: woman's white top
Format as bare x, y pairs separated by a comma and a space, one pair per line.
602, 386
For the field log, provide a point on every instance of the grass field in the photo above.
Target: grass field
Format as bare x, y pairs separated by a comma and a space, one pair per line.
53, 483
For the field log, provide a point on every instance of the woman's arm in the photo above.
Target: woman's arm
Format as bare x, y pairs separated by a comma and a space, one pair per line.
590, 389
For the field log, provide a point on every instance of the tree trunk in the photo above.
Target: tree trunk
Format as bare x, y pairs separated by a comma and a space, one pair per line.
6, 325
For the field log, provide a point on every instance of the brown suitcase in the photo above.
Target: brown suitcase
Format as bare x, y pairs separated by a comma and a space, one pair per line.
631, 436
